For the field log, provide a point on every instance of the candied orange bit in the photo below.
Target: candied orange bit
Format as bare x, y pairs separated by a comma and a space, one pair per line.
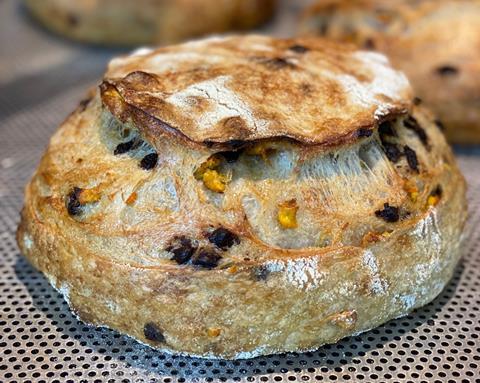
211, 163
370, 237
88, 196
410, 186
433, 200
213, 331
287, 214
232, 269
412, 190
211, 178
214, 181
413, 196
131, 199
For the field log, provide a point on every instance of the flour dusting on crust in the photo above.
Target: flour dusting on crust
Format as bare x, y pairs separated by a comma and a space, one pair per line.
377, 285
386, 82
428, 228
301, 273
222, 103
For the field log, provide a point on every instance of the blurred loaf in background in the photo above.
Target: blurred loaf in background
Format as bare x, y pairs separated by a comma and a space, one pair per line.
133, 22
435, 42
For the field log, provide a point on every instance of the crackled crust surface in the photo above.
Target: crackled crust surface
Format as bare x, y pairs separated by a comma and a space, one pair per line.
280, 241
133, 22
434, 41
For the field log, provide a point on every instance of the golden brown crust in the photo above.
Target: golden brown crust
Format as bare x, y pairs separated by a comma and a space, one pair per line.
134, 22
431, 40
231, 90
122, 220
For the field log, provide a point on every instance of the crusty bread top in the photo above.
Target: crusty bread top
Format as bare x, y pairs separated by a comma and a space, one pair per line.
230, 90
435, 42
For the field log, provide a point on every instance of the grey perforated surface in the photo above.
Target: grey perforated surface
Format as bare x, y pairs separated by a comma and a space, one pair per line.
41, 80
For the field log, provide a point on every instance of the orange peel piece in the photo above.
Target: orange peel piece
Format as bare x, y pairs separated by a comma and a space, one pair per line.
412, 190
211, 163
131, 198
214, 331
89, 196
214, 181
287, 214
433, 200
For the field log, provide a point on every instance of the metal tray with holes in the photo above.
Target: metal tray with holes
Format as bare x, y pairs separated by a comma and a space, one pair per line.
42, 77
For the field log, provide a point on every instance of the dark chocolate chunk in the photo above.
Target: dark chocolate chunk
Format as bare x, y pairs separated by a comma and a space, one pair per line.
440, 125
417, 101
411, 157
446, 70
388, 213
298, 48
206, 258
364, 132
231, 156
386, 129
149, 161
152, 332
411, 123
182, 250
124, 147
74, 207
223, 238
392, 152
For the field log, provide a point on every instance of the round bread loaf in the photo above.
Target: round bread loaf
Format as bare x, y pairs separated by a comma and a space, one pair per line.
133, 22
242, 196
435, 42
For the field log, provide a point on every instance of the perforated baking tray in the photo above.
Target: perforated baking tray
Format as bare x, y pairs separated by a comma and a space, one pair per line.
41, 80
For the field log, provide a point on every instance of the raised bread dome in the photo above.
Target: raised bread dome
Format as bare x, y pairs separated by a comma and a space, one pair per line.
134, 22
243, 196
435, 42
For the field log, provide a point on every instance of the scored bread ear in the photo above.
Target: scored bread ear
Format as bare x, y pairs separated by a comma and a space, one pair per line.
220, 109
